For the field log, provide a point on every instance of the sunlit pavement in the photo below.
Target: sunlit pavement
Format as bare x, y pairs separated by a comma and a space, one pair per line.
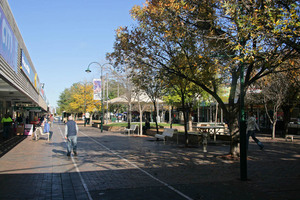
117, 166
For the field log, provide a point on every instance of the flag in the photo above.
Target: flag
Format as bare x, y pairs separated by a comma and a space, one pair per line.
97, 89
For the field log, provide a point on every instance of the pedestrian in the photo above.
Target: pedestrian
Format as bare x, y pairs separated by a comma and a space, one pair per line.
87, 118
46, 125
251, 128
7, 122
51, 120
71, 130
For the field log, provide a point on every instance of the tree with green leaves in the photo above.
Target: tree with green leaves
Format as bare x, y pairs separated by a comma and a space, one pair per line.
64, 101
213, 37
185, 92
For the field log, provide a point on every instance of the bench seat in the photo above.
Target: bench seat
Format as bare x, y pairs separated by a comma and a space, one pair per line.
168, 132
289, 137
131, 129
39, 132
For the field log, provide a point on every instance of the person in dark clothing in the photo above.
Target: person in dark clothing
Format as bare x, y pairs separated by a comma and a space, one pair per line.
6, 121
71, 130
147, 126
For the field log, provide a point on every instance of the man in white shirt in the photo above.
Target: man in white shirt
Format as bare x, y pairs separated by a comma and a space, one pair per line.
87, 118
251, 127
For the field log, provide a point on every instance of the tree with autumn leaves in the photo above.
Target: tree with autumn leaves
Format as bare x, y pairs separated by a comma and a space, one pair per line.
79, 99
210, 43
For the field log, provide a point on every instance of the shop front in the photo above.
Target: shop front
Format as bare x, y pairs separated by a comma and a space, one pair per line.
20, 89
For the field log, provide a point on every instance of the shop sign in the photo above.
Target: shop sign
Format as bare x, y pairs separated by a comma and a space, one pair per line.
25, 66
32, 108
28, 108
8, 42
37, 84
42, 93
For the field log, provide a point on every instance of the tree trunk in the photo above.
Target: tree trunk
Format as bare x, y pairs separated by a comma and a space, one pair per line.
185, 117
171, 117
190, 121
128, 115
155, 118
234, 136
141, 119
273, 130
286, 118
216, 117
274, 123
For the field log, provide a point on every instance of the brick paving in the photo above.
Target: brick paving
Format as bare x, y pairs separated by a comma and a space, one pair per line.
111, 165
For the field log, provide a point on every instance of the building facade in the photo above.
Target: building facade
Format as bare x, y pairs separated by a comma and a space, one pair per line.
21, 92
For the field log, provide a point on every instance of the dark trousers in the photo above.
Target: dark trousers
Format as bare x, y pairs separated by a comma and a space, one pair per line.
6, 131
87, 120
252, 134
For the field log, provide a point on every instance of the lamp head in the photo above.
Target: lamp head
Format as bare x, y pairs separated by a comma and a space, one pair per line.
88, 70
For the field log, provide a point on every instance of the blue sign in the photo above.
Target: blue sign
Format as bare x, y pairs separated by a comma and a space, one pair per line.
25, 66
8, 42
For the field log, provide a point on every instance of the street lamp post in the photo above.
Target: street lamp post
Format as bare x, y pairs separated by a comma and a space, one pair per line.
243, 126
88, 71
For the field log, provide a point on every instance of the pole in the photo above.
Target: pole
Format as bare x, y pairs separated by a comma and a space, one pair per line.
102, 95
243, 147
106, 98
84, 104
102, 99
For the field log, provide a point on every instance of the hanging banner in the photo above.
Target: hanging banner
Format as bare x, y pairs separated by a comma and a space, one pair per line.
97, 89
8, 42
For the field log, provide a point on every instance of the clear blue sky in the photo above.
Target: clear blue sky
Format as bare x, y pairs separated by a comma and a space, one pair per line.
64, 36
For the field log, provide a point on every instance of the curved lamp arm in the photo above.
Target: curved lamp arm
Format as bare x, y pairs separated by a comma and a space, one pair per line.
88, 69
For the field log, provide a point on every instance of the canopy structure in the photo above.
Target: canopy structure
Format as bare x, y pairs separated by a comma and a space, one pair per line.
143, 98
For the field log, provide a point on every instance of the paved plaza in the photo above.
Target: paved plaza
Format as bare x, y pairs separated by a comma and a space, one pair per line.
112, 165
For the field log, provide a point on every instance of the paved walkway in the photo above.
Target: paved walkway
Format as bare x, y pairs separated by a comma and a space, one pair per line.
116, 166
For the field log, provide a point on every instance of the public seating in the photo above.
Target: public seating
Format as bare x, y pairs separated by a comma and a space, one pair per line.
96, 124
289, 137
131, 129
39, 132
168, 132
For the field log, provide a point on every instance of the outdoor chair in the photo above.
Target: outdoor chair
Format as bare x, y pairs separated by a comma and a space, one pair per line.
131, 129
41, 131
168, 132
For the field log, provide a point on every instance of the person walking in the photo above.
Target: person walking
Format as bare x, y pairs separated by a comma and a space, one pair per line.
87, 118
51, 120
251, 128
6, 121
71, 130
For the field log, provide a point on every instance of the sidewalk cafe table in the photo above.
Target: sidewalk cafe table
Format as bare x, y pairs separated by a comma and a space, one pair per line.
209, 129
